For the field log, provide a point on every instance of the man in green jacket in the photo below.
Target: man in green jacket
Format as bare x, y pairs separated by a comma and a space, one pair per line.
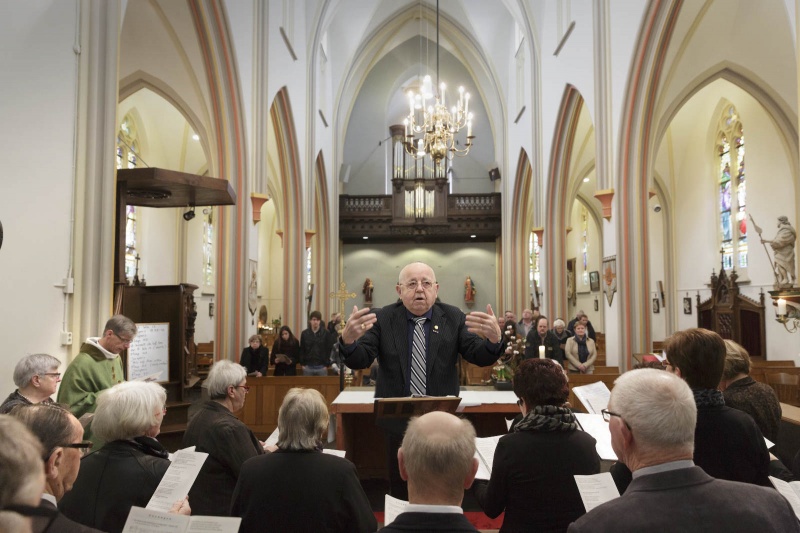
97, 367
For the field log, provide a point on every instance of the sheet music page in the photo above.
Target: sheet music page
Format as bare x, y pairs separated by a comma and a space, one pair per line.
151, 521
187, 449
595, 426
593, 396
337, 453
484, 452
596, 489
272, 439
788, 491
177, 480
391, 508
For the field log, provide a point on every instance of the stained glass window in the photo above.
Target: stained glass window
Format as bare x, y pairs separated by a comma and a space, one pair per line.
208, 247
585, 244
732, 191
126, 152
533, 259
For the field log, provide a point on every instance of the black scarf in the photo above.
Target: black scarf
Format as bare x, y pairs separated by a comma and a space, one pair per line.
547, 418
708, 398
150, 446
583, 350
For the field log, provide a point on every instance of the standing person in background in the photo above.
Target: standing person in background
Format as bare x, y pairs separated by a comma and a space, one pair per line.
562, 334
336, 318
542, 336
96, 368
315, 347
36, 377
526, 324
287, 346
255, 357
584, 319
580, 351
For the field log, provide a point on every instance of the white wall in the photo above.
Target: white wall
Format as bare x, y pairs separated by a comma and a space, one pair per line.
585, 297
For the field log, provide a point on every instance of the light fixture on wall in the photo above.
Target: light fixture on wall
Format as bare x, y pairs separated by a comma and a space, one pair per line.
435, 135
788, 311
189, 215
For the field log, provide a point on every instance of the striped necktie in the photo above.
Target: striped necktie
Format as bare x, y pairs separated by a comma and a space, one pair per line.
418, 358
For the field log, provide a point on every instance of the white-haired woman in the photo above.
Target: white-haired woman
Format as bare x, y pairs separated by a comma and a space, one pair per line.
562, 334
36, 377
226, 439
128, 468
298, 488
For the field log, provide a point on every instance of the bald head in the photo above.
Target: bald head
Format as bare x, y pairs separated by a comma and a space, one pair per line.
437, 458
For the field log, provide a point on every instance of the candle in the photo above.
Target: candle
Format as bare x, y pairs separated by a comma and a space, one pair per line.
781, 306
442, 87
541, 352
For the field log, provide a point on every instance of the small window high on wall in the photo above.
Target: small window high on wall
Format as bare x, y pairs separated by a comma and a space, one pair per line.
127, 156
731, 191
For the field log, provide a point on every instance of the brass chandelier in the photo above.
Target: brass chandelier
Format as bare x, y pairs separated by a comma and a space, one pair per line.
435, 134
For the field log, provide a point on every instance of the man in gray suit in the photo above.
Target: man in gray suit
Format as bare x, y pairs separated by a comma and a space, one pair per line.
652, 416
417, 342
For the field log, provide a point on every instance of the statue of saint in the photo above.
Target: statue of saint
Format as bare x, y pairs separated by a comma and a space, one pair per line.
469, 290
783, 246
367, 291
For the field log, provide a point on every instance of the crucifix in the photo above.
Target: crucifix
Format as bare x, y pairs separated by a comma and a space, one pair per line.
135, 282
342, 295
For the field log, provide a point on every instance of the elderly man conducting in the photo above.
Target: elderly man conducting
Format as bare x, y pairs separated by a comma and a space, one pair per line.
417, 342
652, 416
36, 377
437, 459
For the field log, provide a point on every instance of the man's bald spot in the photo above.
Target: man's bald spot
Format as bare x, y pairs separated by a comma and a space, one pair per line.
435, 425
405, 269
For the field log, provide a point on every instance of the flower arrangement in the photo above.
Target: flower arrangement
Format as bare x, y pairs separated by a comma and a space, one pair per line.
506, 365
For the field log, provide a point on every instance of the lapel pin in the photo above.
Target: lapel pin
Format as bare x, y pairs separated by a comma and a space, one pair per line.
436, 329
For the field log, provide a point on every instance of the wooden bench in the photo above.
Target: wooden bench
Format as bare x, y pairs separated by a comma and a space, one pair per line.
204, 358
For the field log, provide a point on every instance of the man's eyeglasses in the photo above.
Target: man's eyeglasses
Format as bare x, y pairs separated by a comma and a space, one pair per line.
245, 387
83, 446
124, 340
608, 414
412, 285
56, 375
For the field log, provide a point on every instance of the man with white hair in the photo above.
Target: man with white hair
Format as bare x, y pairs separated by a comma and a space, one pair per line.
36, 377
652, 417
437, 459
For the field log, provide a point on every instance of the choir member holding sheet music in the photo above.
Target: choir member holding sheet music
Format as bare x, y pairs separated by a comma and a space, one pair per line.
533, 467
128, 468
297, 487
215, 430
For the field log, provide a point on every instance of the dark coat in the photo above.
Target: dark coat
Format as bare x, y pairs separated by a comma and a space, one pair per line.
257, 361
689, 500
441, 522
533, 479
59, 522
113, 479
388, 341
292, 351
228, 443
552, 346
315, 348
757, 400
301, 491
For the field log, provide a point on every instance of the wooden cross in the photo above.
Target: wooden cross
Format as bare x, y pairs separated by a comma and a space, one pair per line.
342, 295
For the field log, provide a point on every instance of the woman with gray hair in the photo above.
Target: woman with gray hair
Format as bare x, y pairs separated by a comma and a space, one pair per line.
127, 470
298, 488
562, 334
36, 377
226, 439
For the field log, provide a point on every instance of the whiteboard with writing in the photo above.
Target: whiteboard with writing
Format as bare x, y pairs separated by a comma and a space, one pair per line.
148, 354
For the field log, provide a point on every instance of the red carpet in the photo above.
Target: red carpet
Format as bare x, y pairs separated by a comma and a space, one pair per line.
479, 520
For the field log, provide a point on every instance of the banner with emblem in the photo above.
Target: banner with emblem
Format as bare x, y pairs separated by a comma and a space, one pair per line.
610, 277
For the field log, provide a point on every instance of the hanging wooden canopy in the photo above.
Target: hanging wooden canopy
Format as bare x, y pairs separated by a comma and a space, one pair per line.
158, 187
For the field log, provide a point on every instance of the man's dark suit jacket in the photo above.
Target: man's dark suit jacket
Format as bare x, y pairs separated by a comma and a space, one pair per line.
443, 522
301, 491
388, 341
689, 500
59, 524
552, 346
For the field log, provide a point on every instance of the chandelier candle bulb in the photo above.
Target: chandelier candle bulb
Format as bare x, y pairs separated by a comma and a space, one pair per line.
541, 352
466, 105
781, 306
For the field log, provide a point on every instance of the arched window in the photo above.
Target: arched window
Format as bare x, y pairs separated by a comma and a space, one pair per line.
208, 250
533, 264
732, 190
127, 157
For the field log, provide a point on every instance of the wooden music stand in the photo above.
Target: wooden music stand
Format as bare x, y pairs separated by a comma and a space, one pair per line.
393, 414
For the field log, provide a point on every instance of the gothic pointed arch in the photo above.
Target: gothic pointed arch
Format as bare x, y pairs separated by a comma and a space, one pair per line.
521, 225
321, 251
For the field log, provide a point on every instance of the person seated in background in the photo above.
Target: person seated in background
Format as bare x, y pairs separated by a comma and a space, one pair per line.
580, 351
215, 430
297, 487
652, 417
534, 466
437, 459
285, 353
582, 317
727, 442
126, 471
562, 334
21, 476
36, 377
746, 394
61, 437
255, 357
542, 336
